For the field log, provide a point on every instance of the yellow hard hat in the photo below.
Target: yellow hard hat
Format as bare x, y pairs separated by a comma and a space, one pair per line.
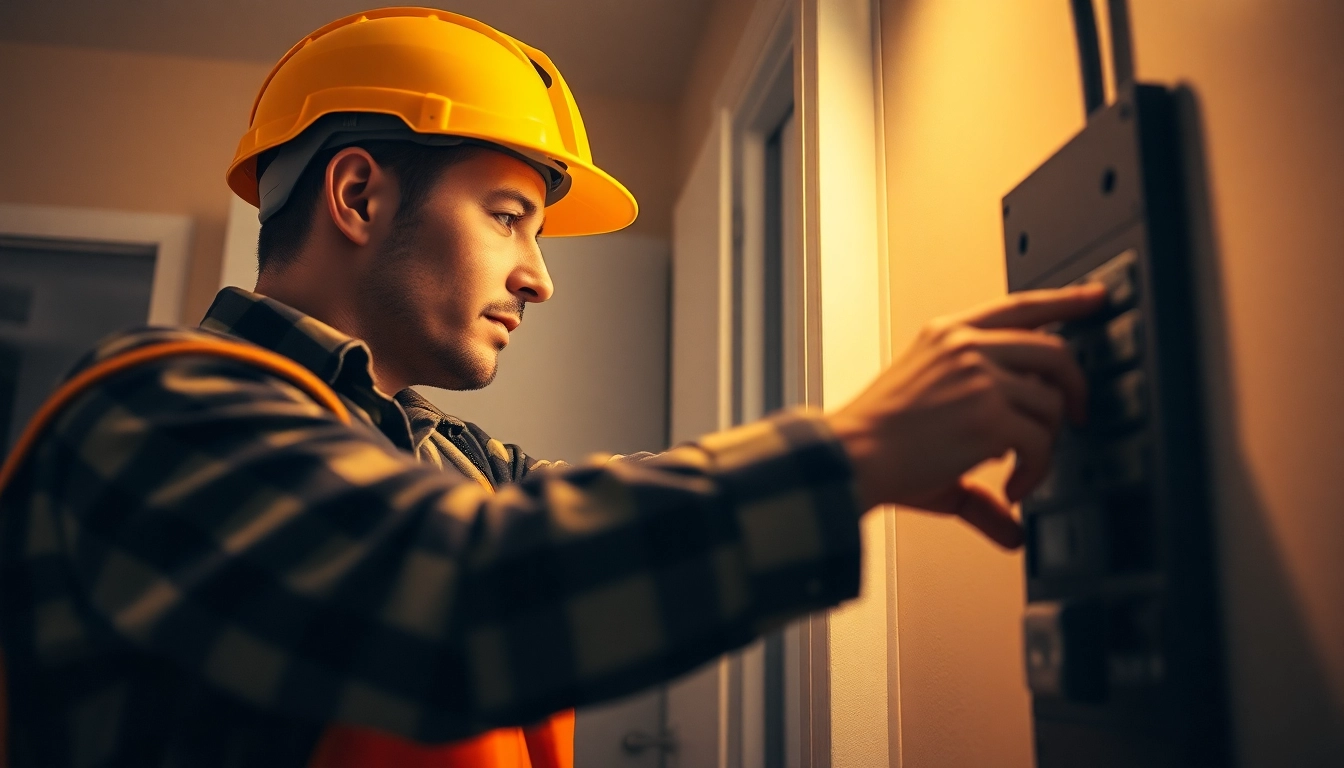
443, 75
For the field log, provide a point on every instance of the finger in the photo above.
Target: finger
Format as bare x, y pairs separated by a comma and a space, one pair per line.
1033, 445
1041, 355
1032, 397
987, 513
1032, 309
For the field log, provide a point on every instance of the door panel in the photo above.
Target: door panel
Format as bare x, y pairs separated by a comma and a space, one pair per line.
699, 398
601, 733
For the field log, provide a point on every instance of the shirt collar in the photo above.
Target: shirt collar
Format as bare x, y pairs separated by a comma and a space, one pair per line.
426, 417
343, 362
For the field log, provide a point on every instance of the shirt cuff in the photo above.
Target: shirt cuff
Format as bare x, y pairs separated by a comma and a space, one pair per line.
791, 486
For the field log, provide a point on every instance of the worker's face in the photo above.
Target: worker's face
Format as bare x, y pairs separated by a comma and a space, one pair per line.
455, 276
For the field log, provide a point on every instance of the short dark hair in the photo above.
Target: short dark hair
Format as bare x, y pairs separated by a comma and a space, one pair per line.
415, 166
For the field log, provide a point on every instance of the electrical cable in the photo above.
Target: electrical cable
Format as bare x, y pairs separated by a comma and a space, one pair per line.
1089, 54
1122, 47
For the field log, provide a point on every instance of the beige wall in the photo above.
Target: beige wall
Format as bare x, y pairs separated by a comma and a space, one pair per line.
128, 132
636, 141
976, 95
713, 53
142, 132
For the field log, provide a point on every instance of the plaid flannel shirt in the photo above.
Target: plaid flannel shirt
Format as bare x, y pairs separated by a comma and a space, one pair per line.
200, 566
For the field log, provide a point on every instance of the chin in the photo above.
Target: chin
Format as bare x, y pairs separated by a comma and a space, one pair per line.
480, 382
465, 371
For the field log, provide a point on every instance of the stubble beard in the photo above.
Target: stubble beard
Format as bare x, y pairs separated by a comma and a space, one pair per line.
454, 365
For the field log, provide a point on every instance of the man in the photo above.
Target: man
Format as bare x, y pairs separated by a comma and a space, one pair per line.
202, 566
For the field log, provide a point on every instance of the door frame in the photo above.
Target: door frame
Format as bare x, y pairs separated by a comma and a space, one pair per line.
845, 247
169, 235
847, 686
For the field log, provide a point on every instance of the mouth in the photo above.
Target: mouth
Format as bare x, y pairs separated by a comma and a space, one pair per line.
509, 322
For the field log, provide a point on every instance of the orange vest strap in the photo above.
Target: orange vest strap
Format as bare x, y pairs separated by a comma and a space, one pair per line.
265, 359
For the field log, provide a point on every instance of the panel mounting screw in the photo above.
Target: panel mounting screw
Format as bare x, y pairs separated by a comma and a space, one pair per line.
1108, 181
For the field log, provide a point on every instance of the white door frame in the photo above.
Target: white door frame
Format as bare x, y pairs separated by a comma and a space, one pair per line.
845, 249
849, 713
169, 236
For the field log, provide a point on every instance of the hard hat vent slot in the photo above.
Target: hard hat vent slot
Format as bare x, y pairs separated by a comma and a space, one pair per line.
545, 76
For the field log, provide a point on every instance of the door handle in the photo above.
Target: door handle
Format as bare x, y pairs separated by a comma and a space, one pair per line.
638, 742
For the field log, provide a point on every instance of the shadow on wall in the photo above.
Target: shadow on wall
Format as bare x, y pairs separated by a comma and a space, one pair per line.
1281, 703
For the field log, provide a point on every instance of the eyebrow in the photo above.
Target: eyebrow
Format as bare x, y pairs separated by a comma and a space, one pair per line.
509, 193
517, 196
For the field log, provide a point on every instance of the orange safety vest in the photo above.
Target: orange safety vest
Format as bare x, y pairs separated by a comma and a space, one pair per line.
549, 744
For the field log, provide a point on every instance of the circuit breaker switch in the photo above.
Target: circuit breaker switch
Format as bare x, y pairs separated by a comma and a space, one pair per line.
1124, 463
1131, 396
1064, 642
1124, 338
1119, 275
1119, 402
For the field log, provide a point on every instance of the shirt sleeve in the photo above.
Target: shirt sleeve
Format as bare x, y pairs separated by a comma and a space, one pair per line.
218, 518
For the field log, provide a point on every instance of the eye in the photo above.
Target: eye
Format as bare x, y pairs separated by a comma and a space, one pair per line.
507, 219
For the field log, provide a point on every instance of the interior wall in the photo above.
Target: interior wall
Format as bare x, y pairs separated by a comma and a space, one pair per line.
1270, 81
149, 132
976, 95
696, 111
636, 141
126, 131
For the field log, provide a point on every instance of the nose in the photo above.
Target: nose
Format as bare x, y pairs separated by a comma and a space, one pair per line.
530, 281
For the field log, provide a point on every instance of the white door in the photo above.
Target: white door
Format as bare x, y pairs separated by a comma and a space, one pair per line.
736, 356
700, 399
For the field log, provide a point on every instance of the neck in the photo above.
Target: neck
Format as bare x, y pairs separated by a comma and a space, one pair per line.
325, 292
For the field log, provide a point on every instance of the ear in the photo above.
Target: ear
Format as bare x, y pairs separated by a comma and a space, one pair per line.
359, 194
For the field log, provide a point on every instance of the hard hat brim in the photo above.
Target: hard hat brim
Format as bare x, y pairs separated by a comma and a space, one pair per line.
595, 204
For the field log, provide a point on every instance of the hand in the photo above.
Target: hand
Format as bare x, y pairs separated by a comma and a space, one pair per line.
972, 387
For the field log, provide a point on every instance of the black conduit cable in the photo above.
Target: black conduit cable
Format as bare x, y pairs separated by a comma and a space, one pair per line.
1122, 47
1089, 54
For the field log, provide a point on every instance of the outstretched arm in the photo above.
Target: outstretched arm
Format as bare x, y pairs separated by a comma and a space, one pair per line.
220, 520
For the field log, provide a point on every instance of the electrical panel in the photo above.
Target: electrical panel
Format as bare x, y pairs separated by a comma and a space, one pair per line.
1122, 632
